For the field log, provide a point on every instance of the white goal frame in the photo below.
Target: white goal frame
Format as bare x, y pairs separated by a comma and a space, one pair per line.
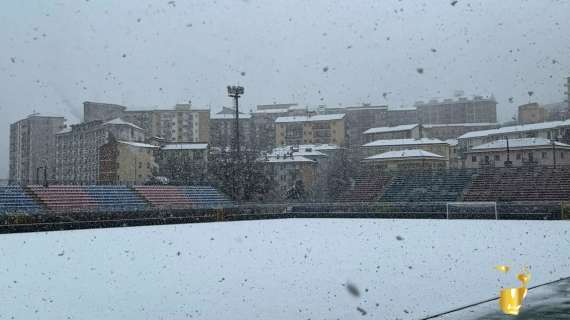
473, 203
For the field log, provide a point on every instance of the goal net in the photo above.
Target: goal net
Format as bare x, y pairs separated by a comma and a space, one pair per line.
471, 210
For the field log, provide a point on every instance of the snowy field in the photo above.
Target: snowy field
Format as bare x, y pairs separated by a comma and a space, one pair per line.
273, 269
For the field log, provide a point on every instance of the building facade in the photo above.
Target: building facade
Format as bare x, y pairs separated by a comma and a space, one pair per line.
358, 119
183, 163
223, 132
405, 131
520, 152
317, 129
124, 162
531, 113
460, 110
33, 145
77, 148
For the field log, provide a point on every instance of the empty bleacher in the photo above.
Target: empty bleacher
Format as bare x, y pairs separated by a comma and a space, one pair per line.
13, 199
64, 197
520, 184
367, 188
427, 186
165, 196
116, 198
205, 197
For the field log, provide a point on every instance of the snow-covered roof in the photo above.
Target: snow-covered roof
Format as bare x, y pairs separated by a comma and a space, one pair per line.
514, 129
404, 127
402, 109
284, 159
119, 121
524, 143
409, 154
137, 144
271, 111
473, 124
185, 146
320, 117
400, 142
452, 142
65, 130
226, 116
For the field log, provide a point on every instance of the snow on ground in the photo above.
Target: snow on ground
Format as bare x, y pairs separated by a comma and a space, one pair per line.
273, 269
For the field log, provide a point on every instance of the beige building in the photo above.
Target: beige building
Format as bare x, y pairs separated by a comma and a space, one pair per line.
183, 163
359, 118
288, 170
223, 132
32, 145
407, 159
77, 148
317, 129
520, 152
461, 110
125, 162
531, 113
454, 130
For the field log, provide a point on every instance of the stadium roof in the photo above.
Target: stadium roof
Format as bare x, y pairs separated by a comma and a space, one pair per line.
409, 154
119, 121
185, 146
400, 142
321, 117
404, 127
514, 129
524, 143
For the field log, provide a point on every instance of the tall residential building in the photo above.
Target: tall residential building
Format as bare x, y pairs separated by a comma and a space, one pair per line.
182, 123
222, 129
460, 110
360, 118
32, 145
317, 129
127, 162
77, 148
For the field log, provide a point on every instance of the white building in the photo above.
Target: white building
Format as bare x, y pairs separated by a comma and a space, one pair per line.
520, 152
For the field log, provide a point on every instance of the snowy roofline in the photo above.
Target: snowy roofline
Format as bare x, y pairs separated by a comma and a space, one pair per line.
121, 122
226, 116
403, 127
320, 117
518, 128
472, 124
185, 146
398, 142
408, 154
285, 158
137, 144
523, 143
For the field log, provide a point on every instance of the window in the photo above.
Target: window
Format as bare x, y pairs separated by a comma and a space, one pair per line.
473, 158
561, 154
544, 155
497, 157
519, 156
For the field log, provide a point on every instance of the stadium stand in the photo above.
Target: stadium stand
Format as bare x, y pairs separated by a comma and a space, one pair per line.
367, 188
205, 197
520, 184
164, 196
13, 199
64, 197
432, 186
116, 198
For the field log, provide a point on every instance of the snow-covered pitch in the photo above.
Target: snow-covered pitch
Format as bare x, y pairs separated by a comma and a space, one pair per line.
273, 269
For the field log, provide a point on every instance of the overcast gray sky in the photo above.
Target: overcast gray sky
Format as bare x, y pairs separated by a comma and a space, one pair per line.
142, 53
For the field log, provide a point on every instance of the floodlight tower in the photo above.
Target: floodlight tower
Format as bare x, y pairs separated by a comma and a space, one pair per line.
236, 92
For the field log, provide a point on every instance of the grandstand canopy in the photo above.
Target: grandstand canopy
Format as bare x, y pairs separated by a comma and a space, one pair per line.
402, 155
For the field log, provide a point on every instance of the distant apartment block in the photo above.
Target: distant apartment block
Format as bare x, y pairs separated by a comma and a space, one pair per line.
223, 132
531, 113
183, 123
317, 129
360, 118
32, 145
460, 110
77, 148
123, 162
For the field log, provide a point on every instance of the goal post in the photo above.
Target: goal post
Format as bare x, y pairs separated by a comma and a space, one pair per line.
466, 209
